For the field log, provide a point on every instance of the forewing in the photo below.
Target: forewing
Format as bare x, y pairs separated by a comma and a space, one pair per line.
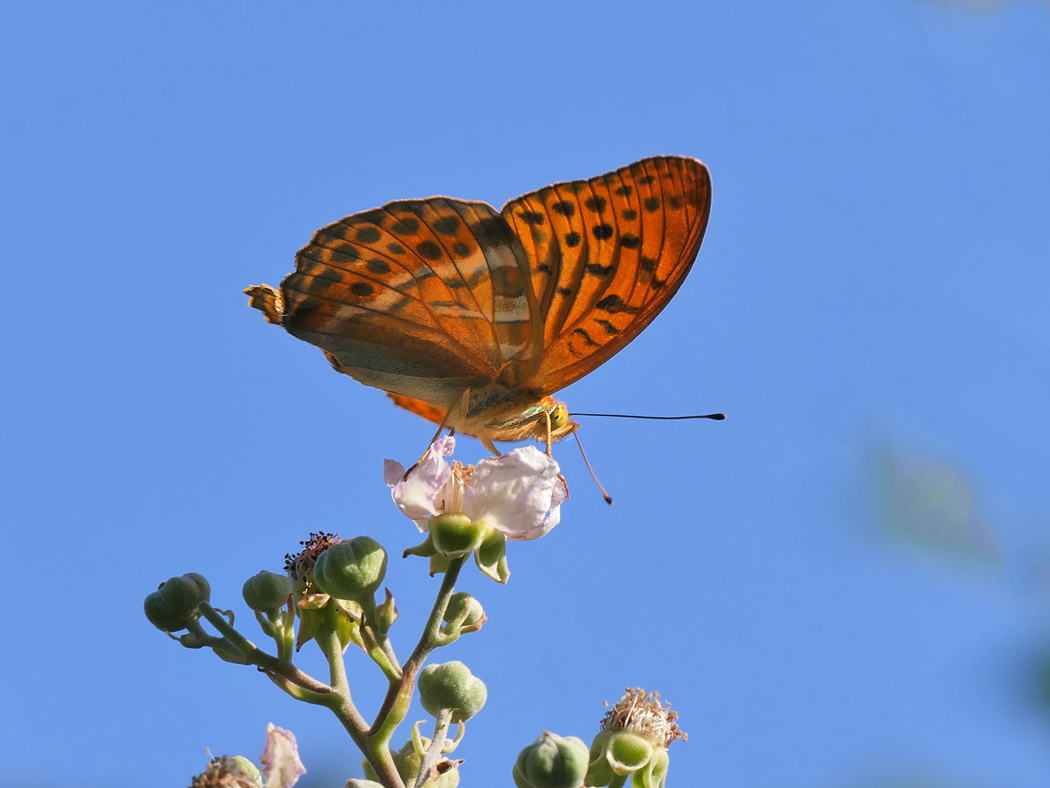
606, 255
421, 298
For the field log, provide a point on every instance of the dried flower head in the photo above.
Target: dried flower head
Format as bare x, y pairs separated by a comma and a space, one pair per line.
226, 772
298, 566
642, 713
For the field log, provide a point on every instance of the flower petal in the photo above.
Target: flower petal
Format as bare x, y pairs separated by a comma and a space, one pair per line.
280, 759
518, 493
416, 495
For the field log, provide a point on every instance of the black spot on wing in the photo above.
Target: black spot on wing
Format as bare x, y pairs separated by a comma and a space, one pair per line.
596, 204
395, 248
602, 231
599, 270
564, 208
630, 241
447, 225
586, 337
377, 265
461, 250
429, 250
362, 289
344, 253
532, 217
375, 216
610, 329
368, 235
572, 239
488, 227
406, 226
331, 275
625, 191
629, 214
652, 204
613, 304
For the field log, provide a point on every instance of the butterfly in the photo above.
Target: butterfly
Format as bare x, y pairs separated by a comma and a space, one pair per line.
473, 318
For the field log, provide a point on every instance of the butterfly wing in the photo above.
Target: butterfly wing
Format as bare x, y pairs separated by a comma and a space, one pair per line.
419, 407
606, 255
421, 298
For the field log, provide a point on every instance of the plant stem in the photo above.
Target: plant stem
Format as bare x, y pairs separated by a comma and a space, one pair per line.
342, 706
257, 656
437, 744
399, 696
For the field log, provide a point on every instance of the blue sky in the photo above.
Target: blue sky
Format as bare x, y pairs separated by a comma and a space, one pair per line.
838, 587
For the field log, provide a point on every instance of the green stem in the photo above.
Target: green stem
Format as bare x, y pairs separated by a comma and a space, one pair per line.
378, 644
297, 692
437, 744
257, 656
395, 705
341, 704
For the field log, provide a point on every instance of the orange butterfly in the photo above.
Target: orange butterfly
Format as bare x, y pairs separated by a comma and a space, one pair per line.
473, 318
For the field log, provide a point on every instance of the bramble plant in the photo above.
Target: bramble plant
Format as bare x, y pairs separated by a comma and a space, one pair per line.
328, 595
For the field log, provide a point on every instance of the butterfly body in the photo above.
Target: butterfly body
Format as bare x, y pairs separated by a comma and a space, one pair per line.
472, 318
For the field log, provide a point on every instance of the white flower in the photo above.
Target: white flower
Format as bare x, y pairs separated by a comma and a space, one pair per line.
519, 493
280, 759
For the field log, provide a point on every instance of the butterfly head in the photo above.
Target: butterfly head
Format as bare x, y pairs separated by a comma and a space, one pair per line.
561, 425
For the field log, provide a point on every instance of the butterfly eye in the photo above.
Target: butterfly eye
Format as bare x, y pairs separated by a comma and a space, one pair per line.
559, 416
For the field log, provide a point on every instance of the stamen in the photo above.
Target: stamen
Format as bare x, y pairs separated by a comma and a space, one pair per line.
642, 713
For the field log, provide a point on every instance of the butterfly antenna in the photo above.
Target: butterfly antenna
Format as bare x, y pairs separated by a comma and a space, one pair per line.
715, 416
587, 462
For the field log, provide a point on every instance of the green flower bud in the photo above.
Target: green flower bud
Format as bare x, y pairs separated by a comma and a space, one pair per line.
552, 761
386, 613
463, 614
351, 569
451, 686
267, 592
173, 606
455, 535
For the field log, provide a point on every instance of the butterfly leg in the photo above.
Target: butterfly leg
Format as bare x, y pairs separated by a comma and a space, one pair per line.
547, 420
487, 443
444, 425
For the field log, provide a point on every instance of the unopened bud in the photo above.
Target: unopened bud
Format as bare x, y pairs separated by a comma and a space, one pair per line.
451, 686
351, 569
173, 606
386, 613
463, 614
552, 761
267, 592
